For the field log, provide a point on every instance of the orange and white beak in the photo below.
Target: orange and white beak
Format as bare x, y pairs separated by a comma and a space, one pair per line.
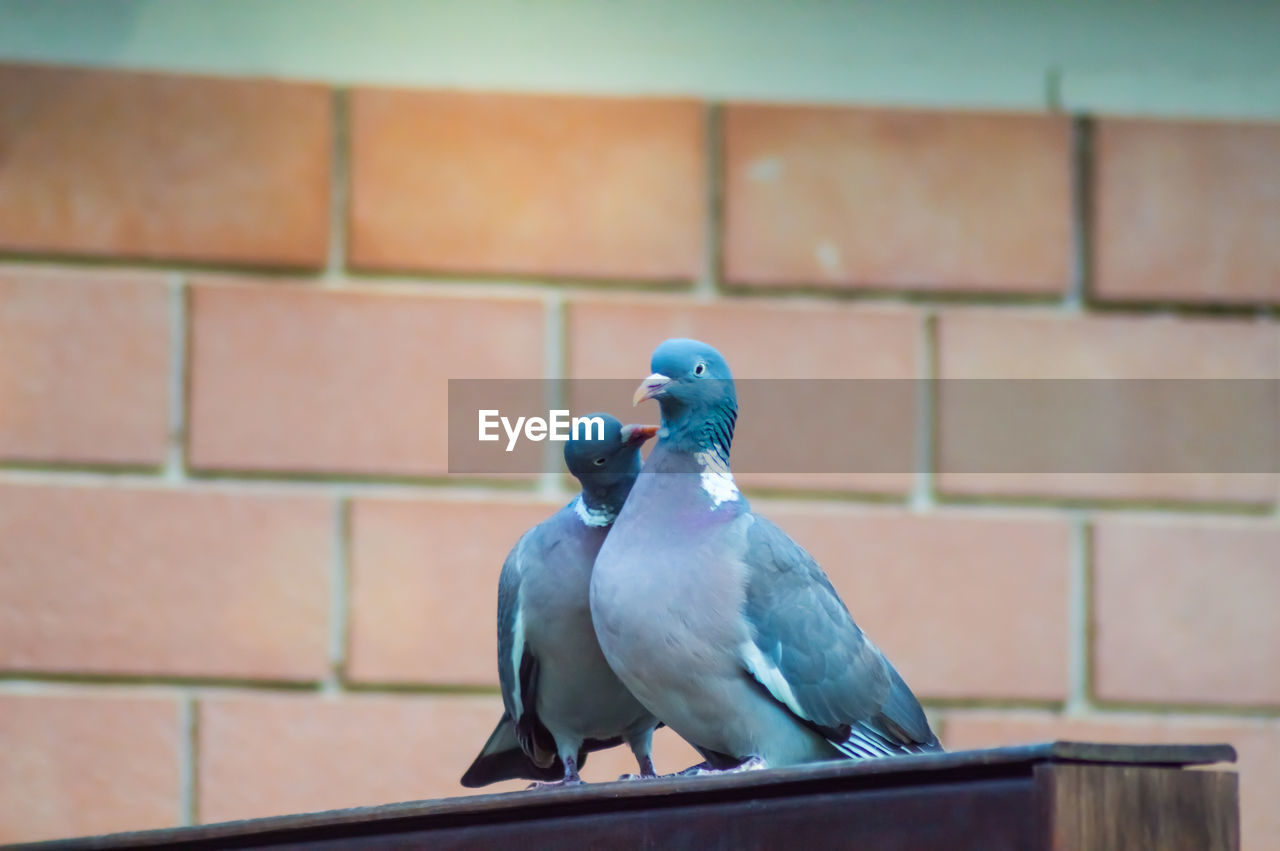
650, 388
636, 435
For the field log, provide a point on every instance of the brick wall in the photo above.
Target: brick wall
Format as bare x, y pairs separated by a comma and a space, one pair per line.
236, 579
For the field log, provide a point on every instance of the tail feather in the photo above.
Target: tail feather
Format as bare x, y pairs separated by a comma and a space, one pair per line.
502, 758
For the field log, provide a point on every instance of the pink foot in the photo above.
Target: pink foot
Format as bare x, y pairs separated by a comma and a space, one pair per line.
571, 778
646, 770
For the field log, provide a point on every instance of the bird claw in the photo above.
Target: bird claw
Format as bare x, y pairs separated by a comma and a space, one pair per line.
646, 769
553, 784
754, 763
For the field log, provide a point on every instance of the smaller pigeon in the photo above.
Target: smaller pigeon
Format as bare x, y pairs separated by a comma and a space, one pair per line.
720, 624
562, 700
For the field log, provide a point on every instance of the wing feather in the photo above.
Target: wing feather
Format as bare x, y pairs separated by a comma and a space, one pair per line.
807, 651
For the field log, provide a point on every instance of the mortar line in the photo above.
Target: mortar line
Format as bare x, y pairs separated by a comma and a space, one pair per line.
1053, 88
1079, 644
188, 755
175, 468
705, 287
554, 356
248, 482
1081, 281
922, 490
339, 191
339, 594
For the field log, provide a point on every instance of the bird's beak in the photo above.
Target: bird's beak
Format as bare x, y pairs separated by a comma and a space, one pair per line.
650, 387
636, 435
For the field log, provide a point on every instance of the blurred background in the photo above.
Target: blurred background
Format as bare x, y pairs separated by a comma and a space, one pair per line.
243, 246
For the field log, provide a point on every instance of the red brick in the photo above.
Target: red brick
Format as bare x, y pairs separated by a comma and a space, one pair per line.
516, 184
163, 583
75, 766
613, 338
163, 166
1018, 345
1187, 211
1185, 611
263, 756
897, 199
776, 339
1257, 742
418, 617
289, 378
965, 606
86, 363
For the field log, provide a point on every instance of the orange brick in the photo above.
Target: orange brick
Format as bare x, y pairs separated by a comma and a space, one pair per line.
611, 338
84, 361
1185, 611
515, 184
965, 606
1187, 211
425, 586
163, 166
290, 378
1257, 742
75, 766
887, 198
993, 345
165, 583
263, 756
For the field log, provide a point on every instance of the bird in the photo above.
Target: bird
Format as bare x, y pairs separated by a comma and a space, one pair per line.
726, 629
561, 700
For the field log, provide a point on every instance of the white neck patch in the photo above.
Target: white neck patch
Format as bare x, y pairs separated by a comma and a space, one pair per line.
717, 480
592, 516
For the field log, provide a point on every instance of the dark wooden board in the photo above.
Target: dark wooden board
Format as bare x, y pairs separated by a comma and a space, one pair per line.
750, 802
1138, 808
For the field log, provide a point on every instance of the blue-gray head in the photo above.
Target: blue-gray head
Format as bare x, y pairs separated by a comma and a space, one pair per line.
604, 455
694, 389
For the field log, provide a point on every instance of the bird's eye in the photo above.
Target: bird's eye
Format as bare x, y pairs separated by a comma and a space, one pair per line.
599, 462
699, 369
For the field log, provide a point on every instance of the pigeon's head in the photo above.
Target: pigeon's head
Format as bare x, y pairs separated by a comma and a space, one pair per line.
602, 452
691, 381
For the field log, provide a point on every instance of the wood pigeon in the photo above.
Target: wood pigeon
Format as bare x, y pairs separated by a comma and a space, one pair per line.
722, 626
562, 700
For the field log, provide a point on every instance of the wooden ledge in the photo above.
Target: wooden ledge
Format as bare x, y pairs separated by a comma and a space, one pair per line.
1013, 797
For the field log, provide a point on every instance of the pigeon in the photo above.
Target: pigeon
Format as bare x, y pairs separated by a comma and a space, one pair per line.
720, 624
561, 699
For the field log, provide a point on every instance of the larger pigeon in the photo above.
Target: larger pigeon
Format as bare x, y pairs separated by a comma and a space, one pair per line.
561, 698
721, 625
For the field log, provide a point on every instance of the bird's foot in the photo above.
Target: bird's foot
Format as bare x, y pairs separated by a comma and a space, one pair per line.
554, 784
571, 777
753, 763
646, 769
